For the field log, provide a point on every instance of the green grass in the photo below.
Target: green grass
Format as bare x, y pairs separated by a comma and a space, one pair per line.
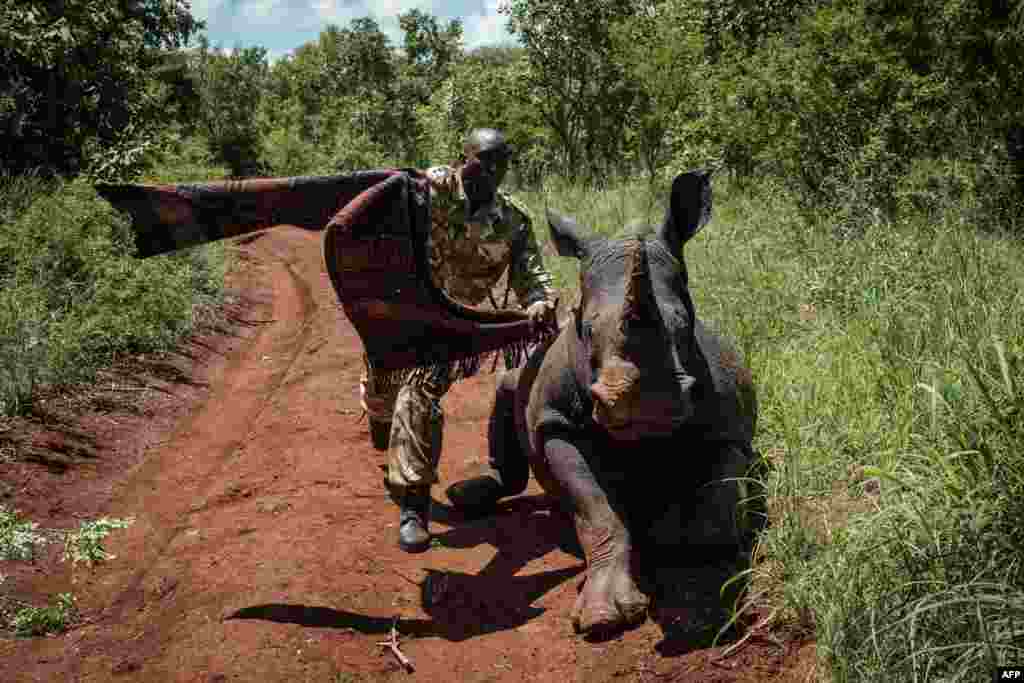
604, 211
891, 408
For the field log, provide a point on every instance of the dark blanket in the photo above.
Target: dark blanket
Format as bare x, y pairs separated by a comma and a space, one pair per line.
376, 227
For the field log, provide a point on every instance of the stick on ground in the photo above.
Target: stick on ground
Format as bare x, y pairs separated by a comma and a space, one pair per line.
392, 644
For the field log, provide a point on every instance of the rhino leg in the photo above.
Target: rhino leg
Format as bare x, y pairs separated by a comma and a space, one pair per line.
505, 453
508, 469
609, 599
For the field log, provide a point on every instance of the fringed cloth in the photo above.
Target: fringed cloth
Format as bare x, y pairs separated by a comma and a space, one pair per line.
376, 229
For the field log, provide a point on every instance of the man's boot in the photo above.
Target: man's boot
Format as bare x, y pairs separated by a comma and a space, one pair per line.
413, 519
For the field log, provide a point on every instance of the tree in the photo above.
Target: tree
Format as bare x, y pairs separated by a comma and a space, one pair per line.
840, 101
430, 51
580, 89
231, 86
477, 94
666, 66
330, 105
79, 80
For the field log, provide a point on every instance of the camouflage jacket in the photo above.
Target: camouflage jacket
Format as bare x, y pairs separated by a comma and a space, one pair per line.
468, 258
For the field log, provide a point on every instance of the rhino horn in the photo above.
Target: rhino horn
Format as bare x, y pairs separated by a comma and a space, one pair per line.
638, 304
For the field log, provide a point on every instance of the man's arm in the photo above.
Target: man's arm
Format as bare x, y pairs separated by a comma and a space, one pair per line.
527, 276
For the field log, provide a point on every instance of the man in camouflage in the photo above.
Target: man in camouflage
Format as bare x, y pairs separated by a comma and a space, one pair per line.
478, 233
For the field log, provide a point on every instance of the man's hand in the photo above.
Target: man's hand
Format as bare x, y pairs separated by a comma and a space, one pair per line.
543, 313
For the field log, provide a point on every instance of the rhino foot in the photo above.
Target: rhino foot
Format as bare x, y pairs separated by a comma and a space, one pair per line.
609, 601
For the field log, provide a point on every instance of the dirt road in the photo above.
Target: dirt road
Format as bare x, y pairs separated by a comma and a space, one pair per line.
264, 544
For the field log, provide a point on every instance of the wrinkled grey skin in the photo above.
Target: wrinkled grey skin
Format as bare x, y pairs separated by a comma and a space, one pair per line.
634, 414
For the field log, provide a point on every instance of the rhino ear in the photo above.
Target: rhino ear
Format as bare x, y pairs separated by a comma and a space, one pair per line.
689, 209
567, 235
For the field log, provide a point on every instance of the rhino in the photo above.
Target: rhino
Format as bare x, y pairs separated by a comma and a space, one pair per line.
636, 416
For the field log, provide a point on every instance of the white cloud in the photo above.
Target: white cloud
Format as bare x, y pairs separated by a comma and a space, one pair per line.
486, 28
264, 10
276, 55
339, 12
392, 8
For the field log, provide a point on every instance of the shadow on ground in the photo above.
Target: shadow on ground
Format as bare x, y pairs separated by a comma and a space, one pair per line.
686, 600
498, 599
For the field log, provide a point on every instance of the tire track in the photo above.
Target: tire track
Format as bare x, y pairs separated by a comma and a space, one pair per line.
195, 459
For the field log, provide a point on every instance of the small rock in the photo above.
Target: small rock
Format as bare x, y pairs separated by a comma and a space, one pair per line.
873, 487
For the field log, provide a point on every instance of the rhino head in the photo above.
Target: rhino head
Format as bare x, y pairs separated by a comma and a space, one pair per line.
634, 349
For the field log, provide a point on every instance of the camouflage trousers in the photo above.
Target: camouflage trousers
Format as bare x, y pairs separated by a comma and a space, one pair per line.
417, 424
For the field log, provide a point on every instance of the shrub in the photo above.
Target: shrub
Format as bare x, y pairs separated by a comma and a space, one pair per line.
18, 536
38, 621
86, 544
74, 296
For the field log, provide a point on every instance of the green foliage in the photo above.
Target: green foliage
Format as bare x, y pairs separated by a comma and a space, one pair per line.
39, 621
284, 150
573, 80
73, 295
231, 85
946, 598
334, 105
24, 327
838, 102
86, 544
430, 51
480, 92
897, 481
82, 77
666, 81
18, 536
18, 540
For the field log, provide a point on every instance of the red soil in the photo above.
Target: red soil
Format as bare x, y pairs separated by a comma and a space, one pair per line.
264, 543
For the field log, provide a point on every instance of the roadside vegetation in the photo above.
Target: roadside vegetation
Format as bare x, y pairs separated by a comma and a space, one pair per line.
865, 251
73, 297
19, 540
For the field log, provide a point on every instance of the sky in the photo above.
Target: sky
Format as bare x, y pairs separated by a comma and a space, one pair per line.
283, 25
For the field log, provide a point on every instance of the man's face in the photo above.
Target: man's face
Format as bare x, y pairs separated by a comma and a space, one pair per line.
495, 164
482, 174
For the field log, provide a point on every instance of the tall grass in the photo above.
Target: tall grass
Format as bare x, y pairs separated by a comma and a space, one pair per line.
888, 369
605, 211
72, 295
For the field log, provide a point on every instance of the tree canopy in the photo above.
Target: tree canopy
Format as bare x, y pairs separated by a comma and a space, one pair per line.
867, 102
